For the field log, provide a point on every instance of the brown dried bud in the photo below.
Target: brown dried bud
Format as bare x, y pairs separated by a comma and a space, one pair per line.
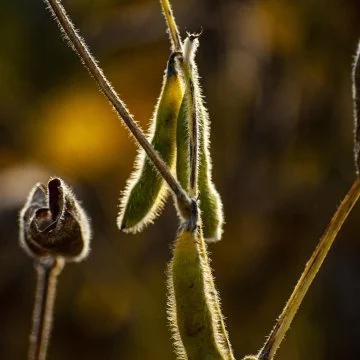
52, 223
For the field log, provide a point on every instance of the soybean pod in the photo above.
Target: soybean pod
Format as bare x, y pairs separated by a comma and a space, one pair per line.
211, 207
193, 310
146, 191
183, 146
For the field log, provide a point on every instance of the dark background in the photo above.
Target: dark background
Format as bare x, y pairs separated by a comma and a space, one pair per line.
277, 80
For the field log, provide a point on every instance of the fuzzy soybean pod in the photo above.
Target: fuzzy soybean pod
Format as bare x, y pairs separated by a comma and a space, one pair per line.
182, 145
146, 191
210, 202
193, 304
211, 206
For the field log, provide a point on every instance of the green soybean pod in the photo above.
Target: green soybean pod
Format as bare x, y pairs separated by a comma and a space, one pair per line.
183, 146
145, 193
192, 306
211, 207
212, 215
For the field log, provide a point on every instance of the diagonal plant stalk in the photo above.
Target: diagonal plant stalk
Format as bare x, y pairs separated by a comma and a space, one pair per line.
317, 258
176, 44
79, 46
311, 269
356, 100
47, 270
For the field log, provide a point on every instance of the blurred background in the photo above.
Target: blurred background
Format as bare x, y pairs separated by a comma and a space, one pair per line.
277, 80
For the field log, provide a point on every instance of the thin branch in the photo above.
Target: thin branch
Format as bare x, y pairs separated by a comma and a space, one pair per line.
312, 267
90, 63
193, 132
356, 99
175, 38
47, 272
194, 144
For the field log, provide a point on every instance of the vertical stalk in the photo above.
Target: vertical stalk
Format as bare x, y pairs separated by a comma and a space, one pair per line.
194, 143
190, 76
47, 270
312, 267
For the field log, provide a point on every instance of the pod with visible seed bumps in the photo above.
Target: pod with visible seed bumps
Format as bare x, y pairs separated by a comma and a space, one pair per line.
210, 202
146, 191
193, 305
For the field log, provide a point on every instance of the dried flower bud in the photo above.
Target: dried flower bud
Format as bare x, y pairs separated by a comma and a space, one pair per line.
52, 223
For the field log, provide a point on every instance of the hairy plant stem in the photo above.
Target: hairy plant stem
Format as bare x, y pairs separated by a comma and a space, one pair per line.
193, 131
356, 100
312, 267
90, 63
176, 44
47, 270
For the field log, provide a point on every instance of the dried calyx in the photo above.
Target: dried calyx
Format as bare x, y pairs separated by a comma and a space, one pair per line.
52, 223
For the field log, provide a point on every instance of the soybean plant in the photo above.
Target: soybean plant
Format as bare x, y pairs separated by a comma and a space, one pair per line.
175, 155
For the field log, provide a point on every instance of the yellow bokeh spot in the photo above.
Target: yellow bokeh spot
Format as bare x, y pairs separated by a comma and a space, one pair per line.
80, 134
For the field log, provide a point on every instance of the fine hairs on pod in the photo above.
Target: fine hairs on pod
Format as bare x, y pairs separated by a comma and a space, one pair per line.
210, 203
193, 306
146, 192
